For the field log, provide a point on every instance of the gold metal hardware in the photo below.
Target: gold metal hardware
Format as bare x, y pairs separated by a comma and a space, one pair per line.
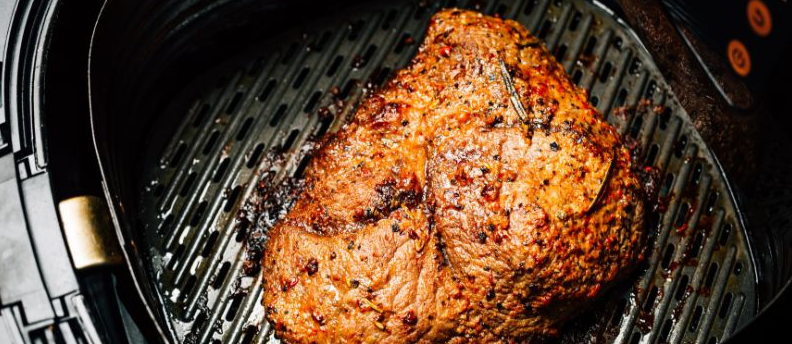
89, 232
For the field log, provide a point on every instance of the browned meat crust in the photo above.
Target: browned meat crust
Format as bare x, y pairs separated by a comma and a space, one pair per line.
438, 214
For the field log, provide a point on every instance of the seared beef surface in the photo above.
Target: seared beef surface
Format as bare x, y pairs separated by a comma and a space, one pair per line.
477, 197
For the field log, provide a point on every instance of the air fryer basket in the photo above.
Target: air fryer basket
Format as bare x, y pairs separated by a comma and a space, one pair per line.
184, 168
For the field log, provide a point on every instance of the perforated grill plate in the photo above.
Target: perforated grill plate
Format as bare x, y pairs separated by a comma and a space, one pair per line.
698, 284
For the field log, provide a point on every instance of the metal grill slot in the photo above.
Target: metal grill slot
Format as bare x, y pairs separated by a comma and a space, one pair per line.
220, 172
166, 225
529, 7
386, 24
199, 321
187, 186
200, 115
198, 214
175, 257
250, 332
232, 105
210, 243
211, 142
221, 275
698, 282
354, 30
244, 129
696, 318
665, 330
278, 115
694, 250
311, 104
606, 72
266, 91
290, 140
236, 301
334, 67
724, 237
560, 52
669, 253
255, 156
546, 26
681, 289
738, 268
188, 287
232, 199
724, 309
178, 155
347, 90
301, 77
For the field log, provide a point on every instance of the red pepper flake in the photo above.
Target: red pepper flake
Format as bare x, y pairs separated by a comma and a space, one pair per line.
410, 319
318, 318
445, 51
499, 237
540, 90
287, 285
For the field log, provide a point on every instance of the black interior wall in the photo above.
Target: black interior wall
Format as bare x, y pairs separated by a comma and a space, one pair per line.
143, 54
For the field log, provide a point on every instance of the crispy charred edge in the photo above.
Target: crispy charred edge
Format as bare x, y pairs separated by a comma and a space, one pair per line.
391, 195
258, 214
647, 176
648, 195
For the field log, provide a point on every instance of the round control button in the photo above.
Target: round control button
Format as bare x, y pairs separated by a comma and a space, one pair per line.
759, 17
739, 57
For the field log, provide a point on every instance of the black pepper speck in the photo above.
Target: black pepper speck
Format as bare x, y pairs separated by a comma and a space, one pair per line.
490, 293
312, 267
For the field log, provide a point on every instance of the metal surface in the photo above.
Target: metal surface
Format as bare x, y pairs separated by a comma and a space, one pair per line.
698, 283
89, 232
